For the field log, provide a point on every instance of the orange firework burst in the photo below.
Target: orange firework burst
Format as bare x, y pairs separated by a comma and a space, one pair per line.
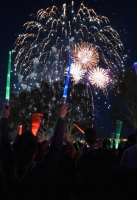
86, 55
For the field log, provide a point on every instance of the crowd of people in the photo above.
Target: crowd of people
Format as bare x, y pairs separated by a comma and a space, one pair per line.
64, 170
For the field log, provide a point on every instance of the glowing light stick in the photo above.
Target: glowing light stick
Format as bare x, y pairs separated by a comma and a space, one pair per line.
79, 128
36, 120
112, 140
77, 144
8, 80
67, 82
118, 130
75, 138
20, 130
135, 65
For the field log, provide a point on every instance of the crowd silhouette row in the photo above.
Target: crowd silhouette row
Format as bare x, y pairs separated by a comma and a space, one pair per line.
59, 170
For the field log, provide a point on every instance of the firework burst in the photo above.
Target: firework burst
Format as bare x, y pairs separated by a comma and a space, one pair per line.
99, 77
86, 55
47, 43
76, 71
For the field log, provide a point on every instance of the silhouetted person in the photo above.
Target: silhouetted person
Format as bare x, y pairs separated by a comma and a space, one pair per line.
129, 157
93, 168
66, 171
23, 177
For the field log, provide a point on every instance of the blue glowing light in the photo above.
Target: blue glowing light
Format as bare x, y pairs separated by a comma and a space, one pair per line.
67, 80
135, 65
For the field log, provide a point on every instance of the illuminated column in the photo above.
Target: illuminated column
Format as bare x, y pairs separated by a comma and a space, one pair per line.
36, 121
118, 130
67, 82
8, 78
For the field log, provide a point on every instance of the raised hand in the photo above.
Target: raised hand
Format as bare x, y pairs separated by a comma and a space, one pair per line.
63, 110
6, 112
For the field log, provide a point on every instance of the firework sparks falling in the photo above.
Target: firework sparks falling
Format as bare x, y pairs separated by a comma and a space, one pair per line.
47, 43
76, 71
86, 55
99, 77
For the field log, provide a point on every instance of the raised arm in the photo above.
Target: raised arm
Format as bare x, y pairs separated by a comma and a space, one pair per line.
51, 158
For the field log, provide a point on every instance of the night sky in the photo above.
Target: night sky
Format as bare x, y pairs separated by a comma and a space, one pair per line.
123, 18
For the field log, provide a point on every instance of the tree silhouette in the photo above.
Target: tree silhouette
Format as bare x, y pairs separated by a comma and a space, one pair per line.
47, 99
125, 91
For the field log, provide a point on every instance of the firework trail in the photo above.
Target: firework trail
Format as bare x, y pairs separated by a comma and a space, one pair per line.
42, 52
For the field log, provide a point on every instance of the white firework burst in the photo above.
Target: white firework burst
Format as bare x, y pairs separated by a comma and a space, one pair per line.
99, 77
76, 72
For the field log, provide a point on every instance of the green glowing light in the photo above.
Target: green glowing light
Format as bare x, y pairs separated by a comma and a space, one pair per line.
118, 122
112, 140
8, 77
118, 126
118, 130
77, 145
